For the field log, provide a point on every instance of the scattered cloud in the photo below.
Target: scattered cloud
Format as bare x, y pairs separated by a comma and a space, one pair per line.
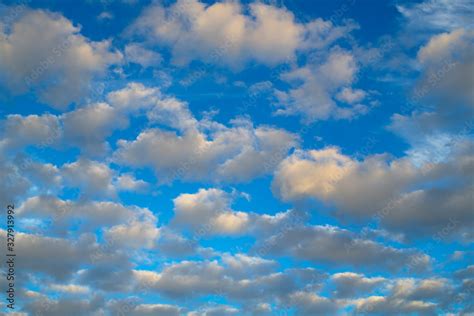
314, 85
64, 63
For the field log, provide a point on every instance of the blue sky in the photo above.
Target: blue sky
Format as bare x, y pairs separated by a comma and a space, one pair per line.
239, 158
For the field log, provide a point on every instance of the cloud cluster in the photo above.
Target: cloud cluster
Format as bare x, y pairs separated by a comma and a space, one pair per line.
447, 66
227, 33
226, 277
329, 175
198, 149
408, 296
86, 127
64, 63
209, 212
39, 254
320, 91
88, 215
407, 202
332, 245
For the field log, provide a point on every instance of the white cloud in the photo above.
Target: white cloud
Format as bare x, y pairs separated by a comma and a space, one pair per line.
136, 53
442, 99
330, 176
441, 46
140, 231
90, 215
133, 97
89, 126
46, 176
350, 284
421, 289
63, 65
312, 304
241, 265
380, 304
313, 173
173, 113
466, 273
412, 200
92, 177
15, 184
351, 96
409, 296
447, 65
104, 16
314, 85
38, 130
37, 251
332, 246
67, 306
127, 182
436, 15
237, 153
222, 153
209, 212
442, 214
222, 32
188, 279
85, 127
217, 310
192, 150
133, 308
185, 278
69, 288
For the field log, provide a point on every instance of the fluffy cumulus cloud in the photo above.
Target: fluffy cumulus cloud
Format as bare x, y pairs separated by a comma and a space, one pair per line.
190, 150
127, 182
136, 233
88, 127
15, 185
308, 303
441, 105
225, 277
329, 175
353, 187
64, 63
210, 212
317, 87
133, 97
196, 149
92, 177
408, 296
66, 306
134, 308
336, 246
350, 284
38, 251
61, 214
19, 131
135, 53
224, 33
447, 64
265, 34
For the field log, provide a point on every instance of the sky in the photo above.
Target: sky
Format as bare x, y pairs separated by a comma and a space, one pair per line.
280, 157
